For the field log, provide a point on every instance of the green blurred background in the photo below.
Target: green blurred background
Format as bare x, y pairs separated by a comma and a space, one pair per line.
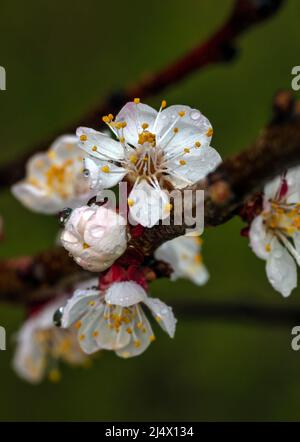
61, 57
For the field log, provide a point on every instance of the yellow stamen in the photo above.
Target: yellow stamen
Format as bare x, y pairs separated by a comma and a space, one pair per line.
130, 202
181, 113
85, 245
78, 325
54, 375
145, 126
133, 159
182, 162
105, 169
137, 100
163, 104
151, 338
210, 132
175, 130
95, 334
186, 150
197, 144
83, 137
168, 207
94, 148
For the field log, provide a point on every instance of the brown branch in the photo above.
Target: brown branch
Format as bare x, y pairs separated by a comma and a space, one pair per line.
219, 48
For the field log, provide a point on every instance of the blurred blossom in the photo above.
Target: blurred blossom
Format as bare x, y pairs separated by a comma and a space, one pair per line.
95, 236
54, 180
40, 345
183, 255
114, 319
274, 234
154, 152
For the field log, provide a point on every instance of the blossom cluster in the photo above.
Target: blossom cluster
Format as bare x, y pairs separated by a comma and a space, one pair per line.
153, 152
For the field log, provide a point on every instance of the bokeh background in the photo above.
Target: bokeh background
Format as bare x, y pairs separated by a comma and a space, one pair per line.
61, 58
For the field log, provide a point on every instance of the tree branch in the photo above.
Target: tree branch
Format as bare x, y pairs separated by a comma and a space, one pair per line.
219, 48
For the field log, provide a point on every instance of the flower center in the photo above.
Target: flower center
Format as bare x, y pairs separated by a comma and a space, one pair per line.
283, 217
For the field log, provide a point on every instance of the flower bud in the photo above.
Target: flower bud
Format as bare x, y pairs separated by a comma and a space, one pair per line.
95, 236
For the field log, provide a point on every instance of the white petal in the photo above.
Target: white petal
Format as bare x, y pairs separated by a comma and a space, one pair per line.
37, 200
110, 338
78, 305
103, 174
259, 238
86, 331
106, 147
197, 165
125, 294
281, 269
142, 339
149, 204
66, 148
163, 314
192, 127
135, 115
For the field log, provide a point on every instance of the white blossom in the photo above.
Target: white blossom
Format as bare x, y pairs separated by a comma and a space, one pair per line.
154, 151
95, 236
54, 179
183, 254
40, 344
114, 319
274, 234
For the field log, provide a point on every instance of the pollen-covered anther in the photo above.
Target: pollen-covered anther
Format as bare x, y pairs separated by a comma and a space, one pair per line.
186, 150
137, 100
85, 245
168, 207
105, 169
182, 162
94, 148
181, 113
163, 104
145, 126
210, 132
137, 343
83, 137
147, 137
197, 144
130, 202
268, 247
175, 130
133, 159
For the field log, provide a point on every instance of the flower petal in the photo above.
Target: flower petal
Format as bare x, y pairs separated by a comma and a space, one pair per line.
37, 199
163, 314
148, 204
193, 167
190, 128
103, 174
135, 115
281, 269
143, 336
78, 305
99, 145
86, 332
125, 294
259, 238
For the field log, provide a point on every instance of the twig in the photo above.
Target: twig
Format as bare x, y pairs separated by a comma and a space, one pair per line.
219, 48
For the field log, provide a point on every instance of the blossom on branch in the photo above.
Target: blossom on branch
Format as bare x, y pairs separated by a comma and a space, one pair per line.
40, 345
95, 237
153, 151
274, 234
114, 319
54, 180
184, 257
